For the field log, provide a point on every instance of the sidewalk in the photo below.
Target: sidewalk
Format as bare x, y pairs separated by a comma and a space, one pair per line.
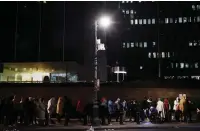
115, 126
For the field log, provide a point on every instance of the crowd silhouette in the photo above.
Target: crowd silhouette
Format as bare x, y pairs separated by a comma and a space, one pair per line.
35, 111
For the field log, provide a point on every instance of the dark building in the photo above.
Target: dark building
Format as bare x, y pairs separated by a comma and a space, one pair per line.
160, 39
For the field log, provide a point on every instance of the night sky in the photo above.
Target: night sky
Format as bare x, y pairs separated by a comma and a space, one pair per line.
78, 30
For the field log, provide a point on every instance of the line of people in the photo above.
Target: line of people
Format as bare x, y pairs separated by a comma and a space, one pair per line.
35, 111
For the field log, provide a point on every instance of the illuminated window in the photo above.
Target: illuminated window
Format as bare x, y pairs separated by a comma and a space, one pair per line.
131, 11
136, 21
145, 44
153, 21
195, 43
149, 21
168, 54
198, 18
149, 55
131, 22
128, 45
154, 43
140, 21
124, 45
184, 19
182, 65
163, 54
141, 44
136, 44
123, 11
180, 19
190, 43
166, 20
186, 65
127, 1
154, 54
193, 7
198, 7
144, 21
170, 20
122, 1
196, 65
132, 44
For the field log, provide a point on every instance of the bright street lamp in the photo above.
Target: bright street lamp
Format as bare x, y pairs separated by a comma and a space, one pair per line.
105, 23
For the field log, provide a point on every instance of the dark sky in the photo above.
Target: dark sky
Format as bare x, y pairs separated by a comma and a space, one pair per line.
52, 23
79, 17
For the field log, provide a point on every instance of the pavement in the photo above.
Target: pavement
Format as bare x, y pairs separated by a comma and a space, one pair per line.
115, 126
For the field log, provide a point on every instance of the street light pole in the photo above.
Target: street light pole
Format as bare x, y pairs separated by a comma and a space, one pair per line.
96, 121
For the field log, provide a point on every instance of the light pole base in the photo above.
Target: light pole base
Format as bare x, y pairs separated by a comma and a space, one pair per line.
96, 120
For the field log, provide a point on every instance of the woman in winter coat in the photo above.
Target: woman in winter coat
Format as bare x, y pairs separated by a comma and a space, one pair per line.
160, 109
59, 110
41, 111
176, 109
51, 106
181, 106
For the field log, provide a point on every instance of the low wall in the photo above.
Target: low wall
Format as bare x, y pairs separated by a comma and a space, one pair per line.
85, 92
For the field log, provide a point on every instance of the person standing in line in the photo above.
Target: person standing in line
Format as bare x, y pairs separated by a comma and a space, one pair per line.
119, 111
145, 108
41, 112
182, 102
160, 109
59, 109
21, 110
110, 111
124, 104
167, 109
103, 110
176, 109
51, 106
67, 107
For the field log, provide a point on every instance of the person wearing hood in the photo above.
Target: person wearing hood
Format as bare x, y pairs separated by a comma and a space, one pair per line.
110, 111
51, 106
160, 109
176, 109
103, 110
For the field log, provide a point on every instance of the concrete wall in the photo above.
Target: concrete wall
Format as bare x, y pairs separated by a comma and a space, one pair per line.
85, 93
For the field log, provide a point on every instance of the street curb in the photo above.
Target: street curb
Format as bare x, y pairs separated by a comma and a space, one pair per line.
104, 128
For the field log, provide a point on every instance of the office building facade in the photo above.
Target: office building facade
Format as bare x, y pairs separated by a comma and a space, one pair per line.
160, 39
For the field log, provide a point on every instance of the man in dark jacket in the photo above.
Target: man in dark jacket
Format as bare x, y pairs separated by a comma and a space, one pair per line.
67, 110
187, 110
145, 107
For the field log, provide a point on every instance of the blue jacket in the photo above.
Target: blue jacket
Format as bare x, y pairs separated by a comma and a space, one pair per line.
110, 107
